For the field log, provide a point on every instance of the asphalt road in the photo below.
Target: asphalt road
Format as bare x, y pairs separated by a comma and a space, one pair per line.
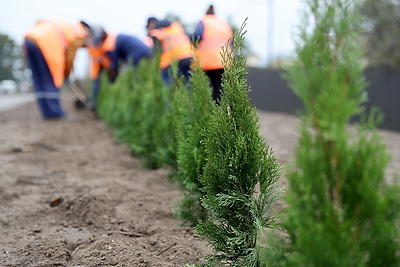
13, 100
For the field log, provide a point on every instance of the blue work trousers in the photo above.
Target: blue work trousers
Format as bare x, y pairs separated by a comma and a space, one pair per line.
47, 94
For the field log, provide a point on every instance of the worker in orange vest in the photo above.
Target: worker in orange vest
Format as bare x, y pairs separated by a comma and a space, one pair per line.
175, 45
107, 50
210, 35
50, 48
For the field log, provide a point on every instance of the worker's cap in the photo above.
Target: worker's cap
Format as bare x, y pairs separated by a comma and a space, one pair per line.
85, 24
151, 20
98, 34
210, 10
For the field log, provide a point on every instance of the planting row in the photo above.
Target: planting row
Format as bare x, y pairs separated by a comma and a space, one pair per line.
339, 210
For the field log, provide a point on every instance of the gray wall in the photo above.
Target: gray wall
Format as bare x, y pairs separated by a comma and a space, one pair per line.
271, 93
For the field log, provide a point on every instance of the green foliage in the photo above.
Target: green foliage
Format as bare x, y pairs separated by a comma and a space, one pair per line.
113, 99
240, 171
152, 134
192, 113
137, 107
106, 100
381, 26
340, 211
9, 54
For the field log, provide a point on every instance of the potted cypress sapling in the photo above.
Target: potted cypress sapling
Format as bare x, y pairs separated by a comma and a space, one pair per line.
340, 210
240, 172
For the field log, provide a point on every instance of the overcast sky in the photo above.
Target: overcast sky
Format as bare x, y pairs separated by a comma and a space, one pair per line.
129, 16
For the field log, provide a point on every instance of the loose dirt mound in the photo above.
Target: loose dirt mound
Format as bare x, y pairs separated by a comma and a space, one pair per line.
71, 196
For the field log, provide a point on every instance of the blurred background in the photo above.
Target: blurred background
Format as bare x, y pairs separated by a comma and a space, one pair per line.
270, 23
270, 39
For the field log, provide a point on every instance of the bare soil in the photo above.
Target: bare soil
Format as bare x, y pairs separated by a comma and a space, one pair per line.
71, 196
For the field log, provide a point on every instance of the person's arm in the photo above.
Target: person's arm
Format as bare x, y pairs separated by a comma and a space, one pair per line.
113, 69
95, 89
198, 33
157, 36
70, 53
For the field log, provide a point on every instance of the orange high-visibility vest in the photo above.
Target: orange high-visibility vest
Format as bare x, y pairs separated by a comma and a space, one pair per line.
217, 33
99, 57
58, 41
175, 44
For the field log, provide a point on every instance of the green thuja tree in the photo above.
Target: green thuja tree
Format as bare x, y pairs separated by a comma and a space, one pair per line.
240, 172
192, 114
113, 104
105, 100
179, 108
152, 134
137, 107
340, 210
122, 90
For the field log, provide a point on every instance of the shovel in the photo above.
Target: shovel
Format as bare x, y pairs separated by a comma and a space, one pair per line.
82, 98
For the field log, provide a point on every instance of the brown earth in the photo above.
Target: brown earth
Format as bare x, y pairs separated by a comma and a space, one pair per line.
71, 196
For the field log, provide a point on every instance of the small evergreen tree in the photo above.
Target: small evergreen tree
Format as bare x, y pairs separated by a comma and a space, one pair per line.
340, 211
137, 107
121, 89
113, 103
192, 113
151, 131
240, 170
105, 100
128, 101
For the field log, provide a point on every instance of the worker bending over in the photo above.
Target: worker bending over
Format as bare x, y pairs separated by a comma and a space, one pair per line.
107, 50
50, 48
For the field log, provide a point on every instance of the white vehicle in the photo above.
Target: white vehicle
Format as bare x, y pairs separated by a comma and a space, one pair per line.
8, 87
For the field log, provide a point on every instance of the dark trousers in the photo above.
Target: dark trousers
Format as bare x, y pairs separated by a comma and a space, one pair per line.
47, 94
215, 77
183, 70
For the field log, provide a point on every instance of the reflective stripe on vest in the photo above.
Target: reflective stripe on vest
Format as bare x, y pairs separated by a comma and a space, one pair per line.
175, 44
99, 56
217, 33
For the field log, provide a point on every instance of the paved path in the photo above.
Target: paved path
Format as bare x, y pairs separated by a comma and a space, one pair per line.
11, 101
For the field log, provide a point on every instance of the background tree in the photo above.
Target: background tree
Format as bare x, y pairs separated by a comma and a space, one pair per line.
10, 53
381, 31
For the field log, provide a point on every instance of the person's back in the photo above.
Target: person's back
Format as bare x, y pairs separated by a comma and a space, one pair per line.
211, 34
58, 41
216, 34
131, 49
107, 50
50, 47
175, 46
173, 41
